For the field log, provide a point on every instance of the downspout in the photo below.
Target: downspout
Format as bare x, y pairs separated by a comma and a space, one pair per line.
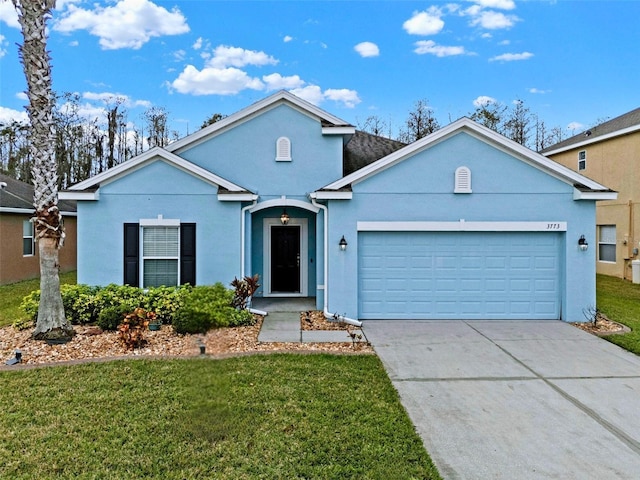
332, 317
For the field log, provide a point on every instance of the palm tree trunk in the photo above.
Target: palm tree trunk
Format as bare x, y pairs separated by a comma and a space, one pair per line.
32, 15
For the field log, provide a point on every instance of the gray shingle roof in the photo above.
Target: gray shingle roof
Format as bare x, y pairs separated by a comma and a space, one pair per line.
622, 122
365, 148
19, 194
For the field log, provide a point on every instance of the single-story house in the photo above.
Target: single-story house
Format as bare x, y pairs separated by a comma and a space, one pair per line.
19, 258
461, 224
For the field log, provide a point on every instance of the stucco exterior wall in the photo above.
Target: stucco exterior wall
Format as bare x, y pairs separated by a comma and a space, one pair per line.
14, 266
615, 163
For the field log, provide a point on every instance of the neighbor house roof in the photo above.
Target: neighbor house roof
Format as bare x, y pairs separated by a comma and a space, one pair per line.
17, 197
622, 125
583, 187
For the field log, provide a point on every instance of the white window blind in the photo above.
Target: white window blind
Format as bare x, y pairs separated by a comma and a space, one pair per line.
607, 243
160, 256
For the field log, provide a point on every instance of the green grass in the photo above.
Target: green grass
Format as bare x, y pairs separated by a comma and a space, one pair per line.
11, 296
619, 300
281, 416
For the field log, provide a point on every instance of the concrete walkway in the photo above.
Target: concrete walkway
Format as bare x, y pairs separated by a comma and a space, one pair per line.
516, 399
282, 322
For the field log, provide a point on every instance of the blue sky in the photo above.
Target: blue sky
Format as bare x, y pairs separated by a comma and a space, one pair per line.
572, 62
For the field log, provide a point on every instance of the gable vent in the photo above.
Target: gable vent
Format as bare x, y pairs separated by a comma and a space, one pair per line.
462, 180
283, 150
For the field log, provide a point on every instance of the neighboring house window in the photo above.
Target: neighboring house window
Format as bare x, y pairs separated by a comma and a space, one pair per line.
582, 160
607, 243
283, 150
165, 256
28, 244
462, 180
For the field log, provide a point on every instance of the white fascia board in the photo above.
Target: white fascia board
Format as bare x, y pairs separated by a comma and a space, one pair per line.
154, 154
324, 195
69, 195
463, 226
251, 110
342, 130
589, 141
237, 197
31, 211
590, 195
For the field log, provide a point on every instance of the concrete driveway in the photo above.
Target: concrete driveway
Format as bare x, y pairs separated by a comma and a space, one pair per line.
515, 399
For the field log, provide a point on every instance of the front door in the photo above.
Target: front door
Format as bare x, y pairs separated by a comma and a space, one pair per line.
285, 259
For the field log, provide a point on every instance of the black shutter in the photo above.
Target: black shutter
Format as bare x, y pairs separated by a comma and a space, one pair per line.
188, 253
131, 254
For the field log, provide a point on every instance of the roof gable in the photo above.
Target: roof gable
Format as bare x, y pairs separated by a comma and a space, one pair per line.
140, 161
622, 125
486, 135
330, 123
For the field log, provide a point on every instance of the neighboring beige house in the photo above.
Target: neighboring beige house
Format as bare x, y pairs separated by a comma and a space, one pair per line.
610, 154
18, 251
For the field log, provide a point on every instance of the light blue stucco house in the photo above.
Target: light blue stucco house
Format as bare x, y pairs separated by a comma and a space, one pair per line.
462, 224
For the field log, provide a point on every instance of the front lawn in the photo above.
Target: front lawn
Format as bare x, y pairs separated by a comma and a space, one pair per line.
619, 300
11, 297
274, 416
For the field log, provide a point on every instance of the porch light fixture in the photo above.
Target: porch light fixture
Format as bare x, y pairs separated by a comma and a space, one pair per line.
284, 218
582, 243
343, 244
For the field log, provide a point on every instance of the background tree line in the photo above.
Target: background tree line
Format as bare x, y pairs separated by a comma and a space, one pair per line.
84, 148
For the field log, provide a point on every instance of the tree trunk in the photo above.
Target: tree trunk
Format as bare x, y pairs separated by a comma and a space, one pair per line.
32, 15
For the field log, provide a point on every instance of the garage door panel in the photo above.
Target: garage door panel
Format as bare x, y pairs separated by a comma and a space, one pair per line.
459, 275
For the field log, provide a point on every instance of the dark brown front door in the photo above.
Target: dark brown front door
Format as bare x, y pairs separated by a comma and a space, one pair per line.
285, 259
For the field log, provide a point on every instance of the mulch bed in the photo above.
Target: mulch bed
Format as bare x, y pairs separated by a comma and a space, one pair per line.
603, 326
91, 343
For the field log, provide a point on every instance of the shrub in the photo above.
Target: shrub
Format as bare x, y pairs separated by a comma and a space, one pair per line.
111, 317
23, 323
30, 305
165, 301
79, 303
240, 318
244, 290
204, 308
118, 295
133, 326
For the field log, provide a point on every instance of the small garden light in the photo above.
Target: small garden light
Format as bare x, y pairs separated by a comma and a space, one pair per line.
582, 243
16, 359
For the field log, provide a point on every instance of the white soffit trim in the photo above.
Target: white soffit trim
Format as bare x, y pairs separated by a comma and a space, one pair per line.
324, 195
237, 197
152, 155
462, 226
338, 130
589, 141
590, 195
68, 195
481, 132
262, 105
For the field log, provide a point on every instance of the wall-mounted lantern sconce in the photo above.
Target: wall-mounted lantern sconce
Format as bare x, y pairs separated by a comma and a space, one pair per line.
343, 244
582, 243
284, 218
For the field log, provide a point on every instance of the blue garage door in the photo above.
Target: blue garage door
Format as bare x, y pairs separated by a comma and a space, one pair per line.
459, 275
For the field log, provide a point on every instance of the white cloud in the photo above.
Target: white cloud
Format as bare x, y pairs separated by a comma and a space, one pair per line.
511, 57
109, 98
483, 101
3, 46
505, 42
428, 22
501, 4
214, 81
430, 47
127, 24
275, 81
573, 126
537, 90
310, 93
8, 14
367, 49
8, 115
225, 56
493, 20
348, 97
22, 96
287, 38
198, 44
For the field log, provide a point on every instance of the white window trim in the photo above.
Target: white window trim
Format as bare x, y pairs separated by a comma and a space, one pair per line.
304, 256
462, 180
158, 222
33, 239
614, 243
281, 155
